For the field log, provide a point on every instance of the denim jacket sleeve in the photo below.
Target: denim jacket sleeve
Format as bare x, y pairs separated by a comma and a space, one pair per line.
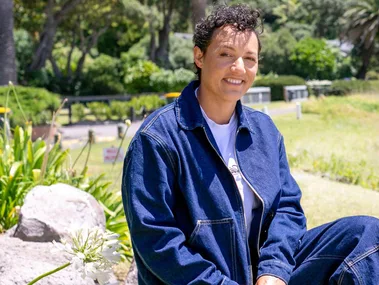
287, 227
149, 198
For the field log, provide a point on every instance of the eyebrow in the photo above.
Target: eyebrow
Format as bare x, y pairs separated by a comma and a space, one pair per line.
232, 48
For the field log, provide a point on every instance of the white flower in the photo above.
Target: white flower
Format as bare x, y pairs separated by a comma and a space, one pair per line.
92, 252
128, 122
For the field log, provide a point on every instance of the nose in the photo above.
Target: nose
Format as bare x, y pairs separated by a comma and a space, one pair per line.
238, 66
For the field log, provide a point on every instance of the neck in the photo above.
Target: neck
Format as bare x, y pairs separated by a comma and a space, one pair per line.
219, 112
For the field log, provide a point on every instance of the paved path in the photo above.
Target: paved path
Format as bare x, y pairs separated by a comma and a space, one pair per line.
76, 136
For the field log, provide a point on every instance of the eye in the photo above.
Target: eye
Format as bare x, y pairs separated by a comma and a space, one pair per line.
251, 59
225, 54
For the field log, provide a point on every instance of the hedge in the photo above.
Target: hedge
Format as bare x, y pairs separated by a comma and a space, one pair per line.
277, 83
38, 104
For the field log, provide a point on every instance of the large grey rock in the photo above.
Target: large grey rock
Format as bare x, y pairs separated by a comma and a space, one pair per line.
21, 262
50, 212
132, 277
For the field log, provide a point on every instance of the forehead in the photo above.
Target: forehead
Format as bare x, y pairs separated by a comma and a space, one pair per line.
230, 36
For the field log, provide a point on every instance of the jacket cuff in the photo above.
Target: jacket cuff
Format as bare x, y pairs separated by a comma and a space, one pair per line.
275, 268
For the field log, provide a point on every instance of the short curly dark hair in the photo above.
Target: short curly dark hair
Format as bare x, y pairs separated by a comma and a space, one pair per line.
241, 16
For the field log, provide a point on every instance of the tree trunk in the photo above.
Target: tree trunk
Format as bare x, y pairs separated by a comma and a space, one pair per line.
152, 47
45, 47
46, 43
366, 57
198, 11
161, 55
8, 70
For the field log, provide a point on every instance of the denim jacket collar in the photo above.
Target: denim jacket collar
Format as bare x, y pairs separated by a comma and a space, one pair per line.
188, 112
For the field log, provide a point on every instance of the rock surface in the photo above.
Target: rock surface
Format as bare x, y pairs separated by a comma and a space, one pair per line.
21, 262
132, 277
50, 212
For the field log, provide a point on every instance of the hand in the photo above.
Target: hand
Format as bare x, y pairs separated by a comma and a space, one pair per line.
269, 280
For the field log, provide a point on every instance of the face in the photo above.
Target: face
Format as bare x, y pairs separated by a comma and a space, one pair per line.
229, 65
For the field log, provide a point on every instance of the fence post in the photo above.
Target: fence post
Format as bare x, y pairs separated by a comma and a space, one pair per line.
91, 136
298, 110
132, 114
265, 110
120, 131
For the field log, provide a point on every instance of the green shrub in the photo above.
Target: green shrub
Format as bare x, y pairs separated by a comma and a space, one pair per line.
137, 76
181, 53
165, 81
120, 109
99, 110
151, 102
137, 52
276, 52
345, 87
103, 77
24, 52
37, 104
79, 111
136, 104
181, 79
277, 83
313, 59
372, 75
162, 80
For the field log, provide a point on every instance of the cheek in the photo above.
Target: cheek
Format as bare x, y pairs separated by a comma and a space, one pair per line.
253, 72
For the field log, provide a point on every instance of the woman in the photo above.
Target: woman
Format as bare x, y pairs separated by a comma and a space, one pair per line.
207, 190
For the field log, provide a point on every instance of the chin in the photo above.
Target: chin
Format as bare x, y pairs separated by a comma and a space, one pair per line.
234, 96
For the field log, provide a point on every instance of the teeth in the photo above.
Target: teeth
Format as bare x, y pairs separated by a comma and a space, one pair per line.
234, 81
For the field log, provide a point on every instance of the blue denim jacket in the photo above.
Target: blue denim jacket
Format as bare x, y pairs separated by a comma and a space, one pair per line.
183, 208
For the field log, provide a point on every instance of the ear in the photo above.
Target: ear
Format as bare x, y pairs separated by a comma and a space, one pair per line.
198, 57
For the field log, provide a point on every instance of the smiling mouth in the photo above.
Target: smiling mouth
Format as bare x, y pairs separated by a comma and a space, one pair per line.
234, 81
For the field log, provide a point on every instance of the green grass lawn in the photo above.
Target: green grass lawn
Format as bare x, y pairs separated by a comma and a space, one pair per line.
274, 105
324, 200
96, 166
339, 138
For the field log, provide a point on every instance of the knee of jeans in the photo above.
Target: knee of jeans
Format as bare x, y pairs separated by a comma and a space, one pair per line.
360, 224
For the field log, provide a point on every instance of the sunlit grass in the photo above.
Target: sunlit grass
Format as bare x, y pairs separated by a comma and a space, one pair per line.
343, 132
273, 105
96, 165
324, 201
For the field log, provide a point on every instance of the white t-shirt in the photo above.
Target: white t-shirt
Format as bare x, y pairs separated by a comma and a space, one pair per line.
225, 136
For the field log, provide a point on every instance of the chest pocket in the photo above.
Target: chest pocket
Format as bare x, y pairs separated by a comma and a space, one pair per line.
215, 241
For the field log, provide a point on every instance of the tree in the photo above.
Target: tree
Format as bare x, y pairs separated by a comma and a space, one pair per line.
80, 32
65, 32
313, 59
159, 15
325, 16
54, 15
166, 8
8, 70
198, 11
276, 52
362, 27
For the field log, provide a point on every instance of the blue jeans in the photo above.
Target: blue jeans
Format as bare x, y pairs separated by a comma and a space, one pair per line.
345, 251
